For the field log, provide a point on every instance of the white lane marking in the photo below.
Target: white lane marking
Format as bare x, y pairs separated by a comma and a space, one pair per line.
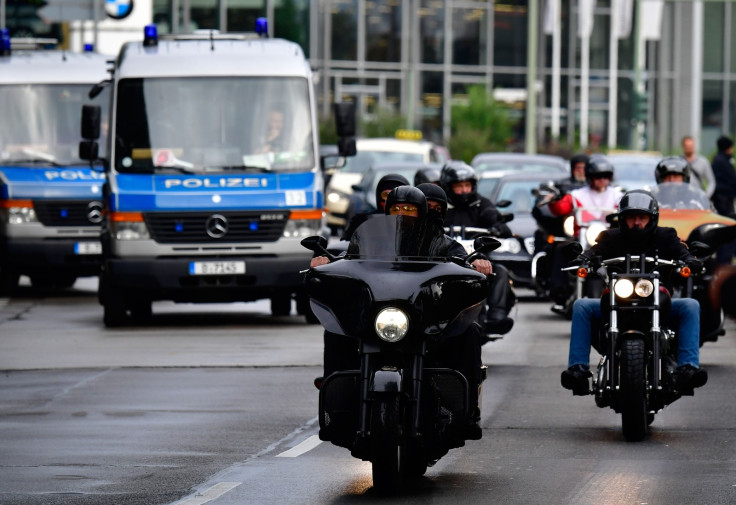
300, 449
212, 493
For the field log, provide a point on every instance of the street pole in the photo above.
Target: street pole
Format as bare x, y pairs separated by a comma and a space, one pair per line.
638, 85
531, 77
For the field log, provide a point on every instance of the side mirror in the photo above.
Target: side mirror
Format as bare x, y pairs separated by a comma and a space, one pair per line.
486, 244
346, 146
572, 250
91, 118
315, 243
503, 203
88, 150
344, 118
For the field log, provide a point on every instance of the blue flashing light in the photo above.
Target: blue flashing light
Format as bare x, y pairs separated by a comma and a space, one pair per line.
179, 227
262, 27
253, 226
64, 213
150, 35
88, 48
4, 42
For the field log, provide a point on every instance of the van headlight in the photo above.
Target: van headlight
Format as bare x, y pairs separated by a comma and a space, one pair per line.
129, 230
392, 324
302, 228
21, 215
623, 288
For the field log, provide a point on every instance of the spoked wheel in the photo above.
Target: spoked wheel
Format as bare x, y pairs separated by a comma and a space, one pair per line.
634, 412
387, 449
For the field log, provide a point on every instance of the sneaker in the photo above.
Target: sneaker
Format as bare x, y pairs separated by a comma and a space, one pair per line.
576, 378
499, 326
688, 377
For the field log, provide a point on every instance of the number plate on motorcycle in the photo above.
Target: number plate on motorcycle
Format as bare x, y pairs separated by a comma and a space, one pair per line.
88, 248
216, 267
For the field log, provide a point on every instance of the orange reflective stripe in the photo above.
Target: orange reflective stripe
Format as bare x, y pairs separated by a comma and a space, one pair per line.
16, 203
126, 216
306, 214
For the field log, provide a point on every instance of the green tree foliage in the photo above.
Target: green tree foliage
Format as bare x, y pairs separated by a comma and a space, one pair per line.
383, 123
479, 125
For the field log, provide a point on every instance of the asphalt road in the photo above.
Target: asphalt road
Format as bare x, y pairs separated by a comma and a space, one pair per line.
215, 404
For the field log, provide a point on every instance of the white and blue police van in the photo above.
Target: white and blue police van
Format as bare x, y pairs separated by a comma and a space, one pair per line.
50, 200
213, 176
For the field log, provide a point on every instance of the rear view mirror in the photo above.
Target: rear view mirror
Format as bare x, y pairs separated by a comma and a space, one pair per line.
486, 244
344, 118
503, 203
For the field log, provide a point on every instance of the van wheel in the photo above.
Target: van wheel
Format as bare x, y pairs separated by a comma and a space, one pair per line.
114, 311
281, 305
8, 281
141, 310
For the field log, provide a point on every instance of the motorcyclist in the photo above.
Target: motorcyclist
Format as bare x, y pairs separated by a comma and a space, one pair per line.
577, 177
673, 185
383, 188
426, 174
637, 233
468, 208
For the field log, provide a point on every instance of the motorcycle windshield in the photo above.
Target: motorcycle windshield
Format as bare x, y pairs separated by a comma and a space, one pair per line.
396, 238
675, 195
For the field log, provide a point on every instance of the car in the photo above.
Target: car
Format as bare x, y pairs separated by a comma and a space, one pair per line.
634, 170
363, 198
555, 166
369, 152
516, 253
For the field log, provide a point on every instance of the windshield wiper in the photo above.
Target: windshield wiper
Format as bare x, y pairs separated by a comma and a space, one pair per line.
28, 161
247, 168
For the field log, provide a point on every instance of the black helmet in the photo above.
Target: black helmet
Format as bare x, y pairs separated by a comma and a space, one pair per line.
672, 165
598, 166
638, 201
427, 174
436, 193
578, 158
458, 171
389, 181
407, 194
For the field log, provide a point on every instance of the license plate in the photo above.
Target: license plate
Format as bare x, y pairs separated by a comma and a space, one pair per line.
216, 267
88, 248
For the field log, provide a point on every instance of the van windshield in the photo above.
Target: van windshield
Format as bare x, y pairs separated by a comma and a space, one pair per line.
213, 124
40, 123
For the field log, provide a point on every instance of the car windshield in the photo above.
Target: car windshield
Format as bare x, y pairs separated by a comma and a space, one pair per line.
363, 160
41, 123
634, 174
520, 195
213, 124
517, 166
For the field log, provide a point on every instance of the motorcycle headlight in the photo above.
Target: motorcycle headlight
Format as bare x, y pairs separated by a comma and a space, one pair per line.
568, 226
644, 288
392, 324
623, 288
529, 245
591, 234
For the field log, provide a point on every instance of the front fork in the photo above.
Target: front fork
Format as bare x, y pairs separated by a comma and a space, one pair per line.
390, 380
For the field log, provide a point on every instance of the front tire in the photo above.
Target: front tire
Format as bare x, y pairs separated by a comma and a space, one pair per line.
634, 412
386, 447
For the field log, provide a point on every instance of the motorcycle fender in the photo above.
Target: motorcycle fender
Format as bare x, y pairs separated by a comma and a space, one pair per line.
386, 381
631, 335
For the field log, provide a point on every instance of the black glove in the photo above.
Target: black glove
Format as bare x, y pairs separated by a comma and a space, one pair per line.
580, 261
695, 265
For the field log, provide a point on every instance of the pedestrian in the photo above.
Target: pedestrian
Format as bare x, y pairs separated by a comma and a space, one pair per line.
723, 170
701, 172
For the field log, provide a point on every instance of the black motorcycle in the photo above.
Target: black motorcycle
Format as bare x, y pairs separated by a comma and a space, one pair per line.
399, 408
635, 376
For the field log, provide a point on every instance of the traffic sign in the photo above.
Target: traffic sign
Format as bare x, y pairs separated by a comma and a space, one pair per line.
58, 11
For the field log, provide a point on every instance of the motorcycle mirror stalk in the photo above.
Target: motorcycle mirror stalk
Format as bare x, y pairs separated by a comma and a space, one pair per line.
318, 244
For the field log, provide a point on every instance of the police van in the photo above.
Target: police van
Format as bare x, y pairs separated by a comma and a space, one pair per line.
50, 199
213, 174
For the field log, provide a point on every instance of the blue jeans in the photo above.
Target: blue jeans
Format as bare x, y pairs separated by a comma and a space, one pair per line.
684, 310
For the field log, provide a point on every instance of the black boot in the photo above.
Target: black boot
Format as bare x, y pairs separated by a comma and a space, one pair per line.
688, 377
576, 378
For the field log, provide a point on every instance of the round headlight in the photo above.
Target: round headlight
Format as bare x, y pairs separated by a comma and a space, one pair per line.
644, 288
391, 324
592, 233
623, 288
568, 226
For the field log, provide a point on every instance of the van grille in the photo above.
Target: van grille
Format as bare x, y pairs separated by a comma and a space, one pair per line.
193, 227
68, 213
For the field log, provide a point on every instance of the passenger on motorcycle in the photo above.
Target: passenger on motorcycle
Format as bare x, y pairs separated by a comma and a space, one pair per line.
383, 188
425, 175
673, 185
598, 194
638, 233
468, 208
